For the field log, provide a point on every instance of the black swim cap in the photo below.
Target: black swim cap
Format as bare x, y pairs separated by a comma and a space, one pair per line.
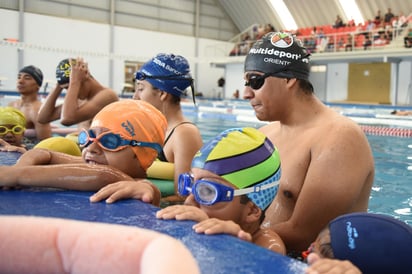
34, 72
280, 54
63, 71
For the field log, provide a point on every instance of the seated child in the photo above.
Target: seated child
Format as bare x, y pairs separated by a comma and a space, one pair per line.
53, 245
122, 142
12, 127
234, 179
374, 243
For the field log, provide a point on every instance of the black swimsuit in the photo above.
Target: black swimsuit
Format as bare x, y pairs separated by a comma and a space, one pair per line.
162, 156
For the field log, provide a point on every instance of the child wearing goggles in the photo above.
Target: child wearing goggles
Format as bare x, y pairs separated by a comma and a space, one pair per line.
122, 142
234, 178
12, 127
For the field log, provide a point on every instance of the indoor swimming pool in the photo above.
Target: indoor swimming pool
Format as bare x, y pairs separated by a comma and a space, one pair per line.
390, 138
392, 190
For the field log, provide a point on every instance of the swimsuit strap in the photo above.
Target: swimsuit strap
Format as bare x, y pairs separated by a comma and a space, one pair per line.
171, 132
162, 156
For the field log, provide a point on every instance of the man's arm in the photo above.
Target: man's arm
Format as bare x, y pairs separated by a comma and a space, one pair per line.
49, 111
43, 131
73, 111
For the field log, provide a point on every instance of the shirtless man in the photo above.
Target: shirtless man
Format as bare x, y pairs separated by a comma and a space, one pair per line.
85, 95
29, 81
327, 163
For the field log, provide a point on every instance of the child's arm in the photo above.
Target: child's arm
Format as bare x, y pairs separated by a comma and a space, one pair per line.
52, 245
39, 156
82, 177
266, 238
141, 190
182, 212
4, 146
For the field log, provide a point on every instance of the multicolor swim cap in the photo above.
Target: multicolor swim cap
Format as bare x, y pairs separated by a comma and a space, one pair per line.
12, 116
168, 72
245, 157
281, 54
63, 71
134, 120
60, 144
375, 243
34, 72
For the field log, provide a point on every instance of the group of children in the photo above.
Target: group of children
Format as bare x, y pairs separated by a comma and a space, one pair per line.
230, 183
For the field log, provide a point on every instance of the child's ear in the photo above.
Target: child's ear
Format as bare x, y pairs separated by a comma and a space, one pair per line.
163, 95
254, 212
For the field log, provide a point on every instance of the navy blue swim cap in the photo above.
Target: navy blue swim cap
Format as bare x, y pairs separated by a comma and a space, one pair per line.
281, 54
375, 243
167, 72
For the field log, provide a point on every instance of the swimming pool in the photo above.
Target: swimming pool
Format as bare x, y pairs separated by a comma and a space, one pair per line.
392, 190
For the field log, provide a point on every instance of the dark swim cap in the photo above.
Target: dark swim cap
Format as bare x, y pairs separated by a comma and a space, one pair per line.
375, 243
63, 71
167, 72
280, 54
34, 72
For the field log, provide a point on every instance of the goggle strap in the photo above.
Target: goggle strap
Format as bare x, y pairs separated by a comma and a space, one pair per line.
256, 188
155, 146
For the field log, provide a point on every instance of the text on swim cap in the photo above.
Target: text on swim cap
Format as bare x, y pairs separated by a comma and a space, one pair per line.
165, 66
276, 61
352, 234
128, 126
271, 51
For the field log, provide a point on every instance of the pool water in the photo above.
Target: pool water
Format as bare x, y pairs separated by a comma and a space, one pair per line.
392, 189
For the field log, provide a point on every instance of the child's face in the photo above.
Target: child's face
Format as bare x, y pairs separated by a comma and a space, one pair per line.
12, 134
123, 159
232, 210
322, 244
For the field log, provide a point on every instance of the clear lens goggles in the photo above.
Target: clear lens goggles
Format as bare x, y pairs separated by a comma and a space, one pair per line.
208, 193
15, 130
111, 141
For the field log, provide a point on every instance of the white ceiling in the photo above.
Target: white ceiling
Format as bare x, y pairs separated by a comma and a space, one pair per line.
307, 13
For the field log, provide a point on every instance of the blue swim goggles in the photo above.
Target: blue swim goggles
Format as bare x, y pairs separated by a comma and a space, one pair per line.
111, 141
208, 192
